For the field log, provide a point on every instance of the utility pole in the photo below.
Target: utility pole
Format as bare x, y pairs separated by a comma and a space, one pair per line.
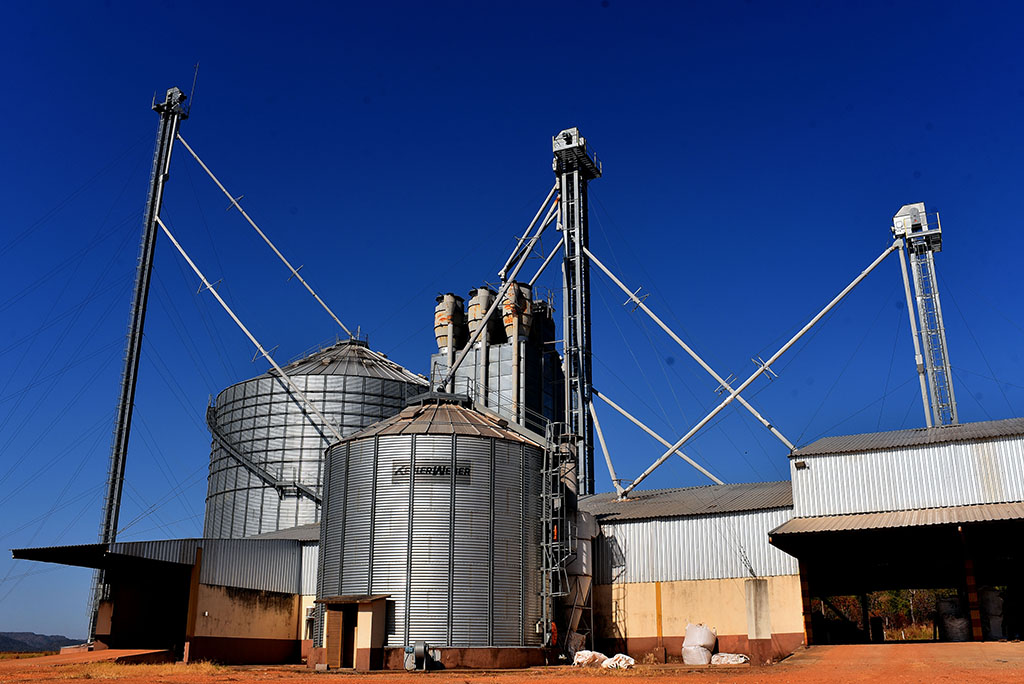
171, 114
575, 167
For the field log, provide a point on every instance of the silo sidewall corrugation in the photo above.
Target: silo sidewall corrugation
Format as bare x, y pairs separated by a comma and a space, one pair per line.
448, 526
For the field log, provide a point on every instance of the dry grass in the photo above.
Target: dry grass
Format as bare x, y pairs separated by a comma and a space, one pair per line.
13, 655
108, 670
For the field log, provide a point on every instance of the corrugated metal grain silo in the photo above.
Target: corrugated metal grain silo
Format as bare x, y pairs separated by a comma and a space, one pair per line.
438, 508
266, 461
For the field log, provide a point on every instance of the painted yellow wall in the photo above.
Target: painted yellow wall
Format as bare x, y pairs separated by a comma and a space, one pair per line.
229, 612
304, 603
630, 610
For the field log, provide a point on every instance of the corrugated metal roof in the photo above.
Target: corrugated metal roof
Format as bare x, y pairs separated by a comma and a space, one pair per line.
351, 357
875, 441
949, 515
442, 416
310, 532
669, 503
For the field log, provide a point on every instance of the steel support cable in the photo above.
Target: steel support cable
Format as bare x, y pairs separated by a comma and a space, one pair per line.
85, 494
218, 343
988, 377
632, 354
135, 496
31, 336
746, 383
956, 305
234, 202
187, 341
829, 430
974, 396
499, 298
166, 470
693, 355
25, 389
38, 223
177, 390
57, 500
846, 366
52, 461
192, 479
52, 352
55, 420
298, 394
655, 435
60, 337
62, 266
71, 279
892, 361
639, 321
650, 408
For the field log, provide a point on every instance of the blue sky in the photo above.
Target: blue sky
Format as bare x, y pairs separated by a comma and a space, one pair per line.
754, 155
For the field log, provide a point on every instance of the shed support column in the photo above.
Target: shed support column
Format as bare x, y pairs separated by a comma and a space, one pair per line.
973, 606
865, 623
805, 598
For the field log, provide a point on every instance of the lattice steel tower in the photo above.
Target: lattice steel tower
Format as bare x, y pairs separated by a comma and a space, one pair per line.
922, 238
575, 167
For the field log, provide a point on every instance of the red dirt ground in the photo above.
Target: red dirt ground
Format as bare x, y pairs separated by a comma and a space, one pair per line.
896, 663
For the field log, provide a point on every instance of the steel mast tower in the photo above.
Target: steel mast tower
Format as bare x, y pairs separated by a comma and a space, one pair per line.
575, 166
171, 114
921, 240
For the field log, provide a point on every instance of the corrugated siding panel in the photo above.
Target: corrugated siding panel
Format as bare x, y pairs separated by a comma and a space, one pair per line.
391, 536
691, 548
428, 583
171, 550
471, 569
955, 474
310, 565
508, 543
355, 549
261, 564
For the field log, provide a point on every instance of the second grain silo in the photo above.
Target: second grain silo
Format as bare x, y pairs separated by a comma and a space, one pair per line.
434, 515
266, 461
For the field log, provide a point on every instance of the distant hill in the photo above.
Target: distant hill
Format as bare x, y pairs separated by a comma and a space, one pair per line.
25, 642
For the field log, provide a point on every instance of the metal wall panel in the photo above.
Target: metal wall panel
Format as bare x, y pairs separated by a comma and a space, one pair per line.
951, 474
171, 550
260, 564
310, 568
691, 548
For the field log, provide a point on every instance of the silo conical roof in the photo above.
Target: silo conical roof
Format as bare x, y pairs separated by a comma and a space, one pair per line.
443, 415
353, 358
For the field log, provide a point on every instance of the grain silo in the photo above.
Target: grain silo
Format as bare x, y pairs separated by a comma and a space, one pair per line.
436, 512
267, 456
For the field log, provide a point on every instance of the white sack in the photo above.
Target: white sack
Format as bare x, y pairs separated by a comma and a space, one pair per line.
729, 659
700, 635
619, 661
588, 659
696, 655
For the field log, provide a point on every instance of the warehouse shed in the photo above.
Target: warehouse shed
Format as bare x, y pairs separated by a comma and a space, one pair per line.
227, 600
930, 508
668, 557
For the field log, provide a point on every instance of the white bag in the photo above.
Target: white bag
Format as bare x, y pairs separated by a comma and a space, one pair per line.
588, 659
700, 635
729, 659
619, 661
696, 655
